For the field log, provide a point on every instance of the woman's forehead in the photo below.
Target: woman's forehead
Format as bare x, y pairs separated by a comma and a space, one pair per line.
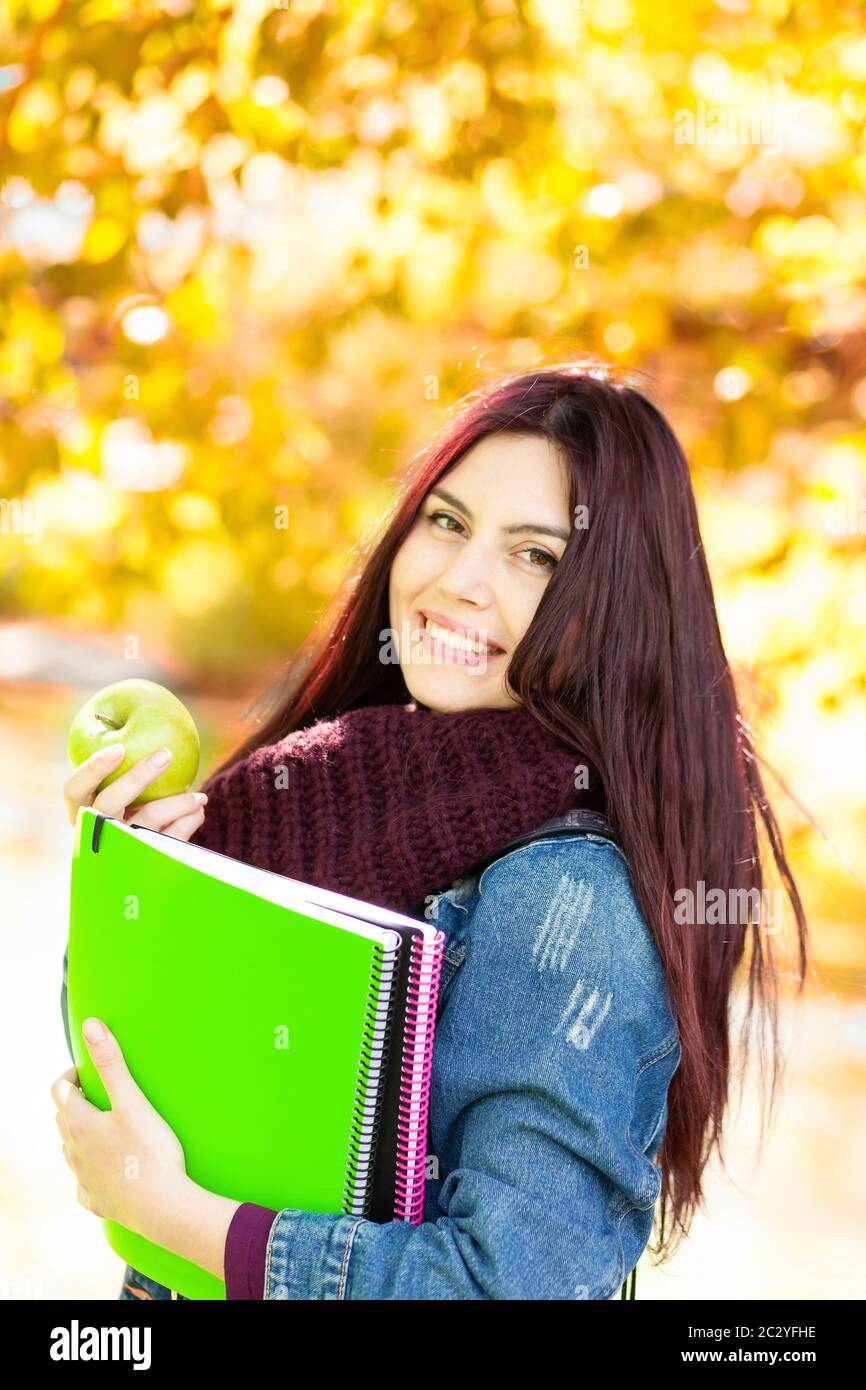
504, 471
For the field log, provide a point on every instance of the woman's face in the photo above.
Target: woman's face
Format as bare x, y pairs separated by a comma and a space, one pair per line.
468, 578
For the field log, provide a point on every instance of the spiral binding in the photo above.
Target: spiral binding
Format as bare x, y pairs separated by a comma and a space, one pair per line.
369, 1086
425, 967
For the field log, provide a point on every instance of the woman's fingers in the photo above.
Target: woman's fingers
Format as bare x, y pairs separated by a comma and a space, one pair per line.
115, 798
179, 815
157, 815
186, 826
112, 800
78, 790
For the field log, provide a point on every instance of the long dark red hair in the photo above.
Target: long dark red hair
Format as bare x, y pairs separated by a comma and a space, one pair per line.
624, 661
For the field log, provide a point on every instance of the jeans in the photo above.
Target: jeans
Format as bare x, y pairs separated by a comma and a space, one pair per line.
136, 1285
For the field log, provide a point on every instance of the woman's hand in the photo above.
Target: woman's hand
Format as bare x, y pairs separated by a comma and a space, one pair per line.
179, 816
129, 1163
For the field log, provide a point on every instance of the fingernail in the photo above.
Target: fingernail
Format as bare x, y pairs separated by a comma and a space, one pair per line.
113, 753
93, 1030
161, 758
201, 798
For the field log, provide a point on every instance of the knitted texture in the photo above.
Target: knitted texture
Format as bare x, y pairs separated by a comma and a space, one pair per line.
390, 803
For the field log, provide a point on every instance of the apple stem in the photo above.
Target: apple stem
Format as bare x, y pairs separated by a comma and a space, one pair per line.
110, 722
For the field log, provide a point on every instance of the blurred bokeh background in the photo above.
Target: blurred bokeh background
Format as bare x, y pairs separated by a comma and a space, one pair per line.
251, 256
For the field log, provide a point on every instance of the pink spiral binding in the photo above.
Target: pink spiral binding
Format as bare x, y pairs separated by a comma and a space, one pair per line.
425, 967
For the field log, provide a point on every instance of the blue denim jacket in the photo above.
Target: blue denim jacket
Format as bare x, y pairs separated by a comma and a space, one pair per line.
556, 1042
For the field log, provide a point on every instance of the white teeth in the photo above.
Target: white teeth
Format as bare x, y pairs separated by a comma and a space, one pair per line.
449, 638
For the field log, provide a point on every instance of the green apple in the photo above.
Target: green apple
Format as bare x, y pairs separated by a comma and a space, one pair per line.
144, 717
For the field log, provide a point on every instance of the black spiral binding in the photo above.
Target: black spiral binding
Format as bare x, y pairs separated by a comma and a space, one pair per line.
375, 1043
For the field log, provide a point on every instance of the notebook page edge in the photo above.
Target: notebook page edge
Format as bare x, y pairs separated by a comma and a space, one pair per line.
283, 890
311, 892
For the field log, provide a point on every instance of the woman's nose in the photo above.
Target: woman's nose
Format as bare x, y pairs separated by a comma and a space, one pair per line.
467, 577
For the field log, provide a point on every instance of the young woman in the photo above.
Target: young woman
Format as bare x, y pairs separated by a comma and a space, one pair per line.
533, 632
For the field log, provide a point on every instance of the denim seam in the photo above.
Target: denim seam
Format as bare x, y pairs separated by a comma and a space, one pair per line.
449, 974
451, 964
657, 1054
542, 843
625, 1201
347, 1250
631, 1206
603, 840
649, 1142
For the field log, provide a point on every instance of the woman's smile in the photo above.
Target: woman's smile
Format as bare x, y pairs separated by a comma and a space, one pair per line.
446, 640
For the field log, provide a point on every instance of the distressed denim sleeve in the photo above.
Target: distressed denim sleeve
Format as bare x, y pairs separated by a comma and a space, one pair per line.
549, 1107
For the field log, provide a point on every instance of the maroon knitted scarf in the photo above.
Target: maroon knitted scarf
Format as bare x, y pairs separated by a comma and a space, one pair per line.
391, 803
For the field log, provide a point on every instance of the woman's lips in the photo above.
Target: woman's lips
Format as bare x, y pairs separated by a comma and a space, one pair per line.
446, 654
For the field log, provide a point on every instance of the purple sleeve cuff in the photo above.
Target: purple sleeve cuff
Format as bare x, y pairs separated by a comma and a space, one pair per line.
246, 1250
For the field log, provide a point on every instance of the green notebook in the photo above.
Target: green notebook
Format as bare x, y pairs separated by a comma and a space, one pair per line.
283, 1031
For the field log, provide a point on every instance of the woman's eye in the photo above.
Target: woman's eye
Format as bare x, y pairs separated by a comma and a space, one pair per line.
448, 517
545, 554
547, 561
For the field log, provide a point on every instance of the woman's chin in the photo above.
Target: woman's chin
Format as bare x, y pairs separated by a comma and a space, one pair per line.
447, 691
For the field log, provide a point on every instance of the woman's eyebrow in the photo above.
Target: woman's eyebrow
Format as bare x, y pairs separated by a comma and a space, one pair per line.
517, 528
